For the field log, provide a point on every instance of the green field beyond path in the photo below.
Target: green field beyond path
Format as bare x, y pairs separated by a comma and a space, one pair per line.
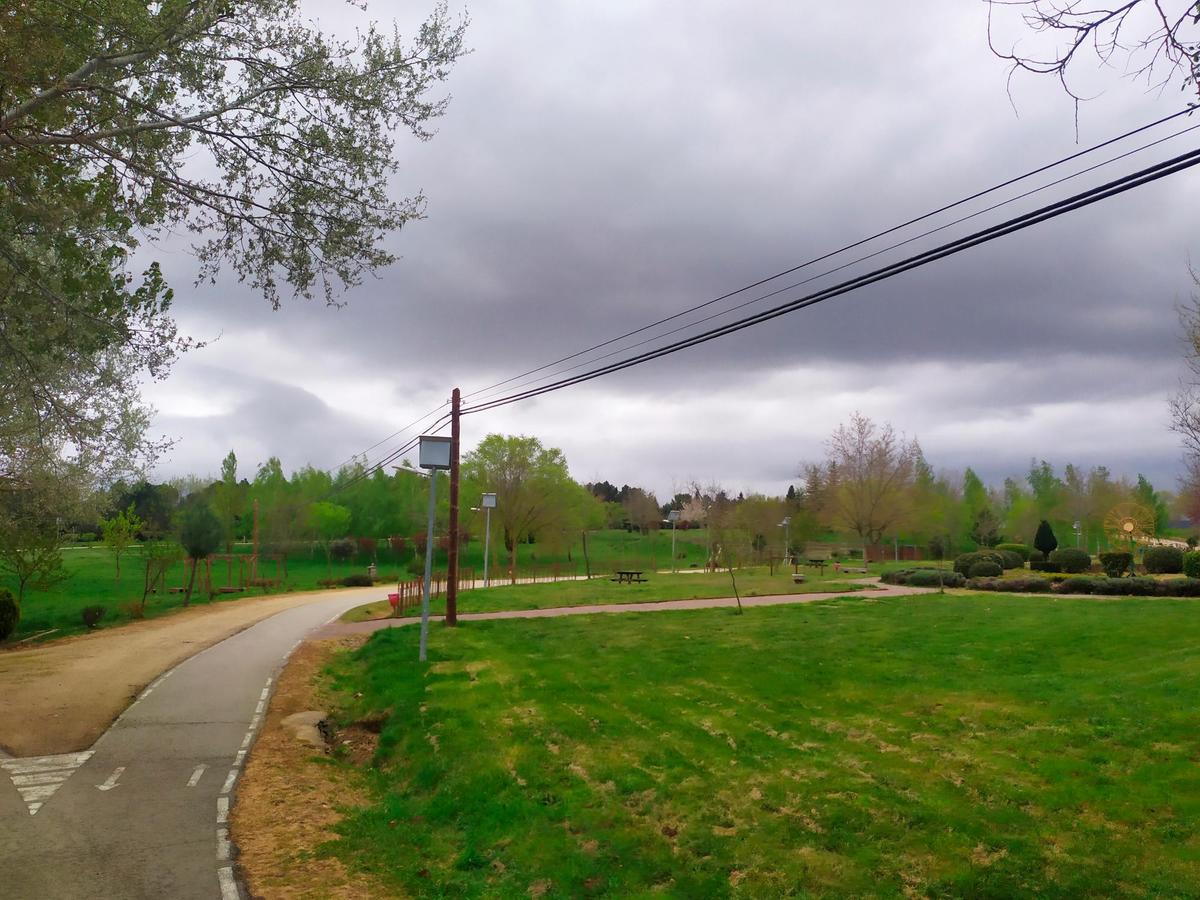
958, 745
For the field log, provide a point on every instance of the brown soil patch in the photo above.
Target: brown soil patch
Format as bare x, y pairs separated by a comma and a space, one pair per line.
59, 697
287, 800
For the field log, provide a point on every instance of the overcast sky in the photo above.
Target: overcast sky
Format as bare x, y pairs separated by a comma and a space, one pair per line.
603, 165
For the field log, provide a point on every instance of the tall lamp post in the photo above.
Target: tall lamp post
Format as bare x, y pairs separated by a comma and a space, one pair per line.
673, 517
489, 503
434, 455
786, 525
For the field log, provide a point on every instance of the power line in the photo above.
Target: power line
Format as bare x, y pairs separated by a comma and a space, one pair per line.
842, 249
1018, 223
393, 435
857, 260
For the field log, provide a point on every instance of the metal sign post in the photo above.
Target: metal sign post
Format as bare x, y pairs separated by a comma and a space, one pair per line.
489, 503
434, 455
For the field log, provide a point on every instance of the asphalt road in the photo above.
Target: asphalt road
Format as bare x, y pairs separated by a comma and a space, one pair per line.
143, 813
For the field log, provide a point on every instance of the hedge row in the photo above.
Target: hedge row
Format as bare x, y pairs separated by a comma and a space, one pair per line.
924, 578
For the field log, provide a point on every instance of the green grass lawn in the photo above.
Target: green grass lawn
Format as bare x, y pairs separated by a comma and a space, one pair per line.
982, 746
92, 575
751, 582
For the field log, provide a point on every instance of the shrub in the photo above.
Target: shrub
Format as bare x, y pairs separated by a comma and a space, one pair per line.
1191, 564
1130, 587
1071, 560
1116, 563
1036, 555
358, 579
984, 568
963, 563
1040, 566
1020, 549
1045, 540
1012, 559
1027, 584
1163, 560
342, 550
934, 578
92, 615
10, 613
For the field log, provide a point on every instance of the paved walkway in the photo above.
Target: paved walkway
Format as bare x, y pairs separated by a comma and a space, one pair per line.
339, 629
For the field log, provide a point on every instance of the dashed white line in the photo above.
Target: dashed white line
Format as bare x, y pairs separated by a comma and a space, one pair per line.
241, 758
197, 774
229, 888
229, 781
247, 739
254, 722
258, 709
222, 843
222, 810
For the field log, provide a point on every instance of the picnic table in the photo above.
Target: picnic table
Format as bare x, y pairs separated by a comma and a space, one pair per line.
628, 576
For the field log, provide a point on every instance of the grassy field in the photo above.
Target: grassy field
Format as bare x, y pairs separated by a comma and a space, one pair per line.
751, 582
92, 575
983, 746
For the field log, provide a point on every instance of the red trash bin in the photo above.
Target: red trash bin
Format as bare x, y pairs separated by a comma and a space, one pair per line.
394, 600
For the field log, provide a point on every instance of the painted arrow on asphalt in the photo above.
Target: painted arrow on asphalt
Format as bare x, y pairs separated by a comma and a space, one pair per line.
112, 780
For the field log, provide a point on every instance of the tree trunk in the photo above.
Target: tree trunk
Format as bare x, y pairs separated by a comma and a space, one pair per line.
736, 595
187, 595
117, 557
513, 563
587, 563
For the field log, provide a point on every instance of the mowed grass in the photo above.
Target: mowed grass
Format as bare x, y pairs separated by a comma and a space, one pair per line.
751, 582
982, 746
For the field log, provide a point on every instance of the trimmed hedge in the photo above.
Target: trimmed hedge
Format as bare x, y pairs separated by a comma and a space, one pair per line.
1130, 587
1020, 549
1037, 565
1036, 555
1163, 560
924, 577
1071, 560
10, 613
963, 562
1191, 564
360, 579
1027, 584
984, 568
1116, 563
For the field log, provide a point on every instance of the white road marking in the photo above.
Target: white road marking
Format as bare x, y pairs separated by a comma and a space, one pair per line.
229, 780
112, 780
247, 739
265, 691
229, 888
222, 810
254, 722
197, 774
258, 709
241, 758
36, 778
222, 843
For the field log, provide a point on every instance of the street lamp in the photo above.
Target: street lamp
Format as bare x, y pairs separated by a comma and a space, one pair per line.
672, 517
489, 503
434, 454
786, 525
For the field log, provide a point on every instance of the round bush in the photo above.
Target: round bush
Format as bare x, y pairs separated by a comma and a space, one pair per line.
1036, 555
1020, 549
1163, 560
963, 563
1116, 563
1071, 560
1191, 564
1011, 559
984, 568
10, 613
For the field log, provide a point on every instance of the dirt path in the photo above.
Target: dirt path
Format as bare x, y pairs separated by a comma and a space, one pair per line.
60, 697
341, 629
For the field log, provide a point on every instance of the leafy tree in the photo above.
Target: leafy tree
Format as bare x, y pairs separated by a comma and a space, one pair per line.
1047, 488
985, 529
229, 499
238, 121
200, 535
641, 509
1145, 494
119, 533
1045, 540
531, 483
331, 522
864, 484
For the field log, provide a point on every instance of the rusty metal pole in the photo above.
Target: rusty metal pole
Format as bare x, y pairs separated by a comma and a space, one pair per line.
452, 562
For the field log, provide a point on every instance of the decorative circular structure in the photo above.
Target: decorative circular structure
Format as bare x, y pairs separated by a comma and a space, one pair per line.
1129, 522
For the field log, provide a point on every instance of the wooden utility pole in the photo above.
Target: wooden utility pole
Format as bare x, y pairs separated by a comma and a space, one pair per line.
452, 562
